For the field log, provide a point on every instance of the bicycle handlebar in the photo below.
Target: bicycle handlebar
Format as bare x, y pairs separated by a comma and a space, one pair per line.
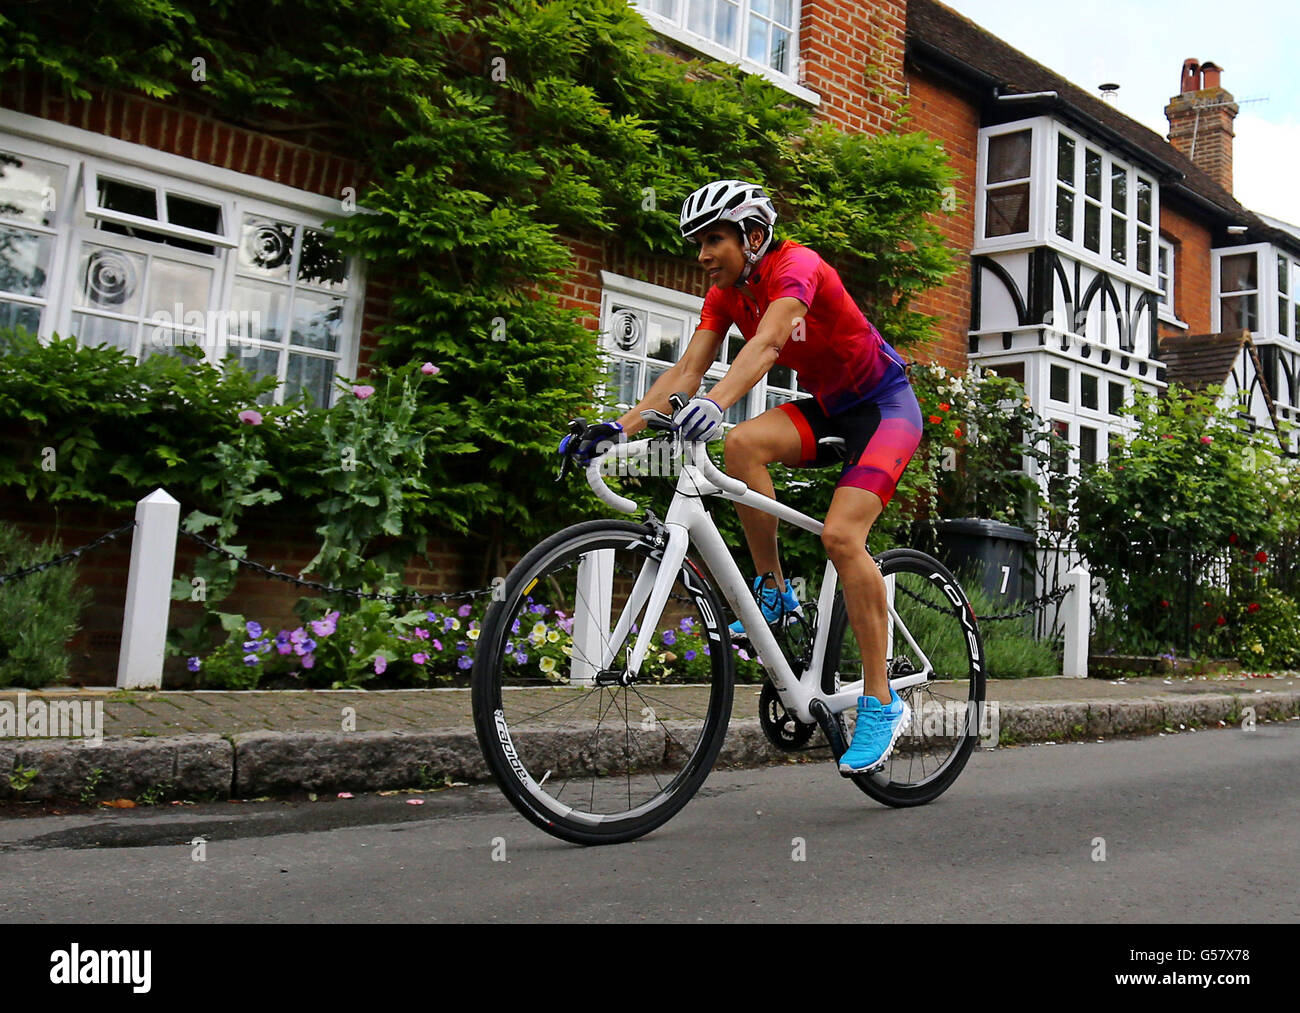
699, 458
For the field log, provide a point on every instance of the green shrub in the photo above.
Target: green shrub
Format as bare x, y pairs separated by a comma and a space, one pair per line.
38, 614
1261, 630
1011, 648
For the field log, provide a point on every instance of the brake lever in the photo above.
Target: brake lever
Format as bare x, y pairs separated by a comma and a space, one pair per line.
576, 428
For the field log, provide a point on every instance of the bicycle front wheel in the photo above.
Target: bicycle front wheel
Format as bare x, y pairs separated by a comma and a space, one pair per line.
935, 631
579, 747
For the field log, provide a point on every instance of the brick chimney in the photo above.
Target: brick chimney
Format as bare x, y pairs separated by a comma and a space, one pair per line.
1200, 121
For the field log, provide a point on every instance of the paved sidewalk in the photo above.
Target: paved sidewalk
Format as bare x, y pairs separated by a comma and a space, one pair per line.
249, 744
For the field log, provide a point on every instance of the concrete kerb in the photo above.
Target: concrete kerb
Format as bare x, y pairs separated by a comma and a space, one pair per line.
256, 764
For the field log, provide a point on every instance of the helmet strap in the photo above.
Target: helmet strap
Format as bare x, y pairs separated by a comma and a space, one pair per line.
754, 257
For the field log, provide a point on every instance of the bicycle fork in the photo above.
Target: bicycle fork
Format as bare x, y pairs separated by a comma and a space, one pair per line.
648, 585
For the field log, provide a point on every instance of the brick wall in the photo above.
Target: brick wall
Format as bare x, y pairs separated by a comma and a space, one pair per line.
1192, 273
947, 115
852, 56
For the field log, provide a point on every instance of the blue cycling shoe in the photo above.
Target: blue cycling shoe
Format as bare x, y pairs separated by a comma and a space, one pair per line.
774, 604
877, 730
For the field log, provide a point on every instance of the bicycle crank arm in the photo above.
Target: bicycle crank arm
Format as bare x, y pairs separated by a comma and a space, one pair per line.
830, 727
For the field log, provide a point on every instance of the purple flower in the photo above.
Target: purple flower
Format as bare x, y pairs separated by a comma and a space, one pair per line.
538, 610
194, 664
421, 633
250, 417
254, 630
324, 627
448, 623
298, 636
250, 660
284, 647
437, 644
381, 664
462, 646
559, 614
464, 662
433, 616
690, 655
463, 611
706, 649
305, 648
250, 645
687, 624
566, 625
308, 660
521, 657
419, 657
514, 627
282, 639
669, 638
744, 655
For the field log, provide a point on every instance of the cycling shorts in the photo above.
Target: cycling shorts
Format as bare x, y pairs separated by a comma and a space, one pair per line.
880, 436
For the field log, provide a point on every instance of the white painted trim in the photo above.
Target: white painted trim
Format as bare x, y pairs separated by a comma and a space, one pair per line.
644, 290
713, 50
86, 142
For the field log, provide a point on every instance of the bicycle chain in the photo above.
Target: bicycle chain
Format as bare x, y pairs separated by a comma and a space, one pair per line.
67, 557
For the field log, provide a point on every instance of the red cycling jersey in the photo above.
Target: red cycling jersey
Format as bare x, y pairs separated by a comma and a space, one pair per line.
841, 358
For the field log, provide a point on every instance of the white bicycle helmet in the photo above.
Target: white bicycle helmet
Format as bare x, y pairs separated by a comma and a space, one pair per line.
731, 200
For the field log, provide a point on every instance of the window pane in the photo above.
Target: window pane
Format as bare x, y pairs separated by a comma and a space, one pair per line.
178, 290
662, 338
160, 340
763, 7
1092, 173
1007, 211
781, 376
266, 248
312, 375
319, 264
738, 412
92, 330
1116, 401
128, 199
1092, 227
1237, 273
1065, 159
625, 374
627, 328
1064, 213
728, 24
780, 50
1283, 274
783, 13
30, 188
1239, 313
1144, 200
1144, 251
261, 362
699, 18
317, 320
1087, 445
15, 315
259, 311
664, 7
1009, 156
1088, 390
734, 344
1119, 239
1283, 324
24, 261
1119, 189
756, 49
110, 279
1060, 385
192, 214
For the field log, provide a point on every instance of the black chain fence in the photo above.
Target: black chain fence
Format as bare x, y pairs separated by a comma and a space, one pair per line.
67, 557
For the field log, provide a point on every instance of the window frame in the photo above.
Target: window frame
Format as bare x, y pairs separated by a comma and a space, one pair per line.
1264, 283
87, 155
1166, 301
640, 295
675, 28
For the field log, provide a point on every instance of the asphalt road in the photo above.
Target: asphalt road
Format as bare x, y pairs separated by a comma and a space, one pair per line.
1183, 828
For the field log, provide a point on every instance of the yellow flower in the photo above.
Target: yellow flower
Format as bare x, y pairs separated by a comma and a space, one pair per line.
455, 624
568, 651
547, 665
472, 634
539, 630
552, 636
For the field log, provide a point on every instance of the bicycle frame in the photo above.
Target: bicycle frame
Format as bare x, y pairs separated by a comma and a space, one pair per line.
689, 522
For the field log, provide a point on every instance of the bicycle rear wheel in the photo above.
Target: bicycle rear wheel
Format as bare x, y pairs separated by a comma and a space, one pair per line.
578, 749
935, 624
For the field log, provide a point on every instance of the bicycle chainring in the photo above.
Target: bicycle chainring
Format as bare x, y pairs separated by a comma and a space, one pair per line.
782, 728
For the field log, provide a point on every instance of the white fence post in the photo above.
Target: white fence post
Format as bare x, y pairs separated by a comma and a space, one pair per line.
591, 615
1078, 622
148, 592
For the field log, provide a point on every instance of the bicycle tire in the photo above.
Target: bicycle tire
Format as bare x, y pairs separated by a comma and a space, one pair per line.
925, 593
538, 737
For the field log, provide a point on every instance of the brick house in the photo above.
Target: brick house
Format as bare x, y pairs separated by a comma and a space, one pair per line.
1102, 254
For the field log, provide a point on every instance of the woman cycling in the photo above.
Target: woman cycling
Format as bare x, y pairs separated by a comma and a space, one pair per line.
792, 309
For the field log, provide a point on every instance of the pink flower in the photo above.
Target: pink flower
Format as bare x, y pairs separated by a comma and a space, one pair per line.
381, 664
363, 391
743, 654
250, 417
1207, 439
437, 644
429, 369
308, 660
422, 634
419, 657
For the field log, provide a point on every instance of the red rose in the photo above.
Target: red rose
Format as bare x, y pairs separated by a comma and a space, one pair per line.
1253, 607
943, 406
1232, 539
957, 432
1196, 626
1261, 557
935, 420
1220, 621
1164, 604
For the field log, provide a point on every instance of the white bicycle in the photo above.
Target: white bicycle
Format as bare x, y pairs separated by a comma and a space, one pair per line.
599, 720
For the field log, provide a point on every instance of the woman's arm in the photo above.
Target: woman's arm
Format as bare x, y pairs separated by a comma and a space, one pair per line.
760, 353
685, 375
